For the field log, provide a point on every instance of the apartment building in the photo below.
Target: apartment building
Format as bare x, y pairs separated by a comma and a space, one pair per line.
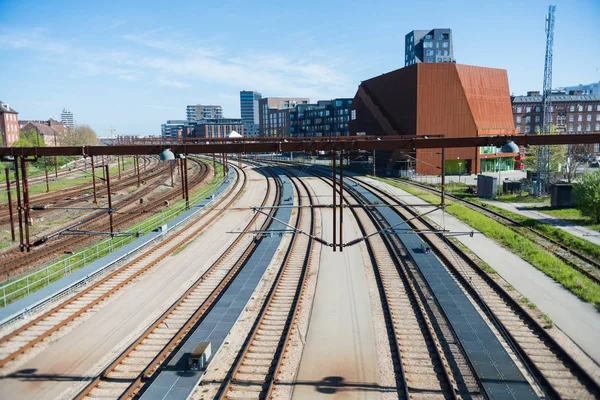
200, 112
9, 124
274, 114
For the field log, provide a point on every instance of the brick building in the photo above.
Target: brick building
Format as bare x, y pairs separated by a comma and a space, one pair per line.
427, 99
9, 125
49, 130
571, 113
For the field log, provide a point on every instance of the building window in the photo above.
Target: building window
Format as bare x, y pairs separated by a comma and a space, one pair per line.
518, 120
571, 118
519, 109
445, 45
578, 127
537, 118
570, 127
527, 129
528, 119
597, 117
588, 127
437, 45
438, 52
598, 108
580, 108
579, 118
445, 52
589, 117
537, 109
528, 109
428, 36
429, 59
537, 128
519, 129
429, 52
597, 127
590, 107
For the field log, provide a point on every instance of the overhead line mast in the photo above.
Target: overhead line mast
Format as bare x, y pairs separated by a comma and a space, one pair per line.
544, 151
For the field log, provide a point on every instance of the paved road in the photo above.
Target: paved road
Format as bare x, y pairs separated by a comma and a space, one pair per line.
340, 357
582, 232
578, 319
58, 370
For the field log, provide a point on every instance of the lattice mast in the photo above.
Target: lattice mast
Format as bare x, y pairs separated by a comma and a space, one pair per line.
544, 151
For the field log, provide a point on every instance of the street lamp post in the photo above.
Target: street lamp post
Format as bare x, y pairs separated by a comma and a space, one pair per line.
459, 171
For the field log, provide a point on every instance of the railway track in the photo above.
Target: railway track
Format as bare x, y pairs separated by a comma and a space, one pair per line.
125, 376
573, 257
44, 326
256, 368
15, 262
552, 366
78, 193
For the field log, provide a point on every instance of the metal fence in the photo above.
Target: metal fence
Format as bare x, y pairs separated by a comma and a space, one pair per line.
23, 286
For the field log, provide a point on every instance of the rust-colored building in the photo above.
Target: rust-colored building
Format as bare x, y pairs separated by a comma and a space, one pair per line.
429, 99
9, 125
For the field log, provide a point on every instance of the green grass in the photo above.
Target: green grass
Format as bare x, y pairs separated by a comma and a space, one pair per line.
94, 252
571, 215
590, 249
519, 244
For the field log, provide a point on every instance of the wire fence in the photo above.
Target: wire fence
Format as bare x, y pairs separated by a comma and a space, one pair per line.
23, 286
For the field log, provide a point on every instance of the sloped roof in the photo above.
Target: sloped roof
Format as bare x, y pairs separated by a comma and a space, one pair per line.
41, 128
4, 107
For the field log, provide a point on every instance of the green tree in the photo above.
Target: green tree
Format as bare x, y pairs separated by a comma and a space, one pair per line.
29, 138
558, 154
587, 195
79, 135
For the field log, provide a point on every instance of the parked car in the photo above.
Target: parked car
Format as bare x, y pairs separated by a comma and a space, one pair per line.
595, 161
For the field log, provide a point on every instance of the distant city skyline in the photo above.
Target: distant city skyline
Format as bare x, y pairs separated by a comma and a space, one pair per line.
133, 68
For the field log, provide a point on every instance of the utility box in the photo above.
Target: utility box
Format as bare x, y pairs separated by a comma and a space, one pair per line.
561, 195
513, 187
199, 357
487, 186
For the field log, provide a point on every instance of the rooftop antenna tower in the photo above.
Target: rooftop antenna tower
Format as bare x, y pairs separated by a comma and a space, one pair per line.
544, 151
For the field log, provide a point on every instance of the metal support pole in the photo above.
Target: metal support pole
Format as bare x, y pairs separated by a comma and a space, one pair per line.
182, 180
110, 213
171, 168
443, 176
19, 208
240, 160
25, 202
123, 163
373, 162
214, 166
119, 166
185, 174
46, 167
341, 201
103, 170
94, 181
333, 169
10, 209
137, 161
55, 167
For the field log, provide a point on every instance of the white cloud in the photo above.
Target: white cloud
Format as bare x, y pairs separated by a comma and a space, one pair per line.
172, 83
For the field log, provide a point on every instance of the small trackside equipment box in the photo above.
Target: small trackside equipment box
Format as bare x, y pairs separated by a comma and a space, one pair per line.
199, 357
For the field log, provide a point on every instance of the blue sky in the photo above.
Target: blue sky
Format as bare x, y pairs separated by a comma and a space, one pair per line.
133, 65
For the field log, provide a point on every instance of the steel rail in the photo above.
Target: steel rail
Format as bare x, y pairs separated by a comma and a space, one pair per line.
14, 260
513, 225
170, 347
413, 296
115, 274
280, 285
563, 357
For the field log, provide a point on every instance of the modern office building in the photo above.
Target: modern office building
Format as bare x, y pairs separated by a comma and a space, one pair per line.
214, 128
571, 113
429, 99
66, 117
249, 106
9, 125
428, 46
173, 128
326, 118
249, 112
200, 112
274, 114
